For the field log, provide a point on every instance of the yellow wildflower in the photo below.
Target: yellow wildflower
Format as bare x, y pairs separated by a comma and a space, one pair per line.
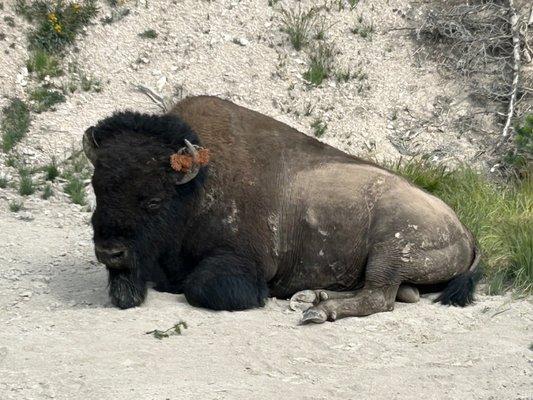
52, 17
76, 7
57, 28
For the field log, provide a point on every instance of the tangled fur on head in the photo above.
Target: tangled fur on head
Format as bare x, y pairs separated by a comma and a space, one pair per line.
184, 162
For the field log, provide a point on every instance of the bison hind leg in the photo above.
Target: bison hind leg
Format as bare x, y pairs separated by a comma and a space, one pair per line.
408, 294
226, 282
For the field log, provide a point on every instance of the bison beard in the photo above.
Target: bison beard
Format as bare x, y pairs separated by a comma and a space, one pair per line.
126, 288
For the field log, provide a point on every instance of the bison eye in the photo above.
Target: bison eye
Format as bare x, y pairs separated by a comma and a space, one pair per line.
154, 203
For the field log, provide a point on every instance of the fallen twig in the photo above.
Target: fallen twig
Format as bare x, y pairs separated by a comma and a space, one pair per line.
174, 330
154, 96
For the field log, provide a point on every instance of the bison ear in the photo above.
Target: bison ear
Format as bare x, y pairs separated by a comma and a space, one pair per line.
188, 161
89, 144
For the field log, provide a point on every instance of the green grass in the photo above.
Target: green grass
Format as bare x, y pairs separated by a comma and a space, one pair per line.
148, 34
51, 170
76, 190
298, 25
15, 206
47, 191
56, 23
321, 62
3, 182
45, 99
43, 64
499, 215
26, 184
15, 123
319, 127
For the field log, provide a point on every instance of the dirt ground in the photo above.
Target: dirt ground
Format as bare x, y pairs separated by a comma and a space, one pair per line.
60, 338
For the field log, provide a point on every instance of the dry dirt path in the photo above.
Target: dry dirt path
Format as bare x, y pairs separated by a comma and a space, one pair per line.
60, 338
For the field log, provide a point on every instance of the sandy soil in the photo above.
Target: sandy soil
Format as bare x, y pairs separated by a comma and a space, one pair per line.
59, 336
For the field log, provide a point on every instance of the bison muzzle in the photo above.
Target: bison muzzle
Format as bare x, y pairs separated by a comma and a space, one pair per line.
229, 206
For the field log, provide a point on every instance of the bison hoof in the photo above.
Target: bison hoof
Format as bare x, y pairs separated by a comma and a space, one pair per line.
306, 299
314, 315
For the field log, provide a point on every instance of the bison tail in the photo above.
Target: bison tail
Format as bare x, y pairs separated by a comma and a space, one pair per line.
460, 290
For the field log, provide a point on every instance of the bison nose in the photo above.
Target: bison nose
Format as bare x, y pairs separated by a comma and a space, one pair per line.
114, 257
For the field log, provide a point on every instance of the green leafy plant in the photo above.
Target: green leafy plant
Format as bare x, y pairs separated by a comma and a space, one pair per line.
521, 157
174, 330
45, 99
57, 23
3, 182
15, 123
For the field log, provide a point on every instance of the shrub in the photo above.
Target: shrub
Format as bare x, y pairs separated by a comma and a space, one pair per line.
15, 123
57, 22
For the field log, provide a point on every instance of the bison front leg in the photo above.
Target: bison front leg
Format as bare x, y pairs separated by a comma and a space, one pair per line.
226, 282
126, 288
365, 301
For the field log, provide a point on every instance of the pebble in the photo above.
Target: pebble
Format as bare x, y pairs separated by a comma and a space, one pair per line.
26, 293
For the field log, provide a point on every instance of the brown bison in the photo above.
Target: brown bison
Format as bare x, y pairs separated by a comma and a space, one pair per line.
229, 206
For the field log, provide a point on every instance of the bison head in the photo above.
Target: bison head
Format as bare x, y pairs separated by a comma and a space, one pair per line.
147, 173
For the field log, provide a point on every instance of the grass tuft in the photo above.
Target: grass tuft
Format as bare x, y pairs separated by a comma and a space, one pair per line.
320, 64
47, 192
15, 123
3, 182
43, 64
45, 99
26, 184
298, 25
76, 190
51, 170
499, 216
15, 206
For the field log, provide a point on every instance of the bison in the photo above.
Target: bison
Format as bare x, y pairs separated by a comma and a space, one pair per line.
229, 206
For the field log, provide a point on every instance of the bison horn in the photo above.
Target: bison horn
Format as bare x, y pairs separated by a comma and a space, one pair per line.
90, 144
190, 173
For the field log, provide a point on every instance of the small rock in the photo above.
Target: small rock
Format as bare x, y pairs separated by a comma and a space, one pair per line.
241, 41
26, 293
